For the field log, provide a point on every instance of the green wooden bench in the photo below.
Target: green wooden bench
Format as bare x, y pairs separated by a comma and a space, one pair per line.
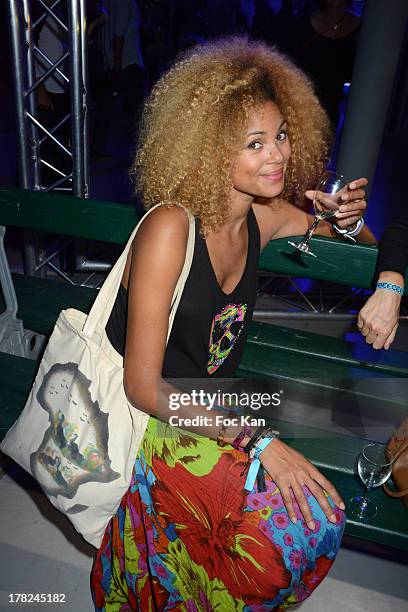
297, 358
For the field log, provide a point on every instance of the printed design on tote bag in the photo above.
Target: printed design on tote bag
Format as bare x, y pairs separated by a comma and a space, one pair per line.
73, 451
225, 331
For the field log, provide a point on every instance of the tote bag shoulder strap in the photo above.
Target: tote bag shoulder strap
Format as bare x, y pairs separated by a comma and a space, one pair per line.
102, 307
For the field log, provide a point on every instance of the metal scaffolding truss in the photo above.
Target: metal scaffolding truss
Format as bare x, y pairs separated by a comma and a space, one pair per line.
52, 146
33, 68
283, 298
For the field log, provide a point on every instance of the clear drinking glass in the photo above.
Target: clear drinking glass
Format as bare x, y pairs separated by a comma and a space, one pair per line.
374, 468
328, 191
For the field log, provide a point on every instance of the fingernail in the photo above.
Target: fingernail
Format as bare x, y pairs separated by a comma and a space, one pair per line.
352, 185
333, 518
342, 208
342, 506
311, 525
344, 196
293, 519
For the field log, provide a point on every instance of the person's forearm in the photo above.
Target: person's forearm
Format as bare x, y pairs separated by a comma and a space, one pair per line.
166, 405
366, 236
395, 278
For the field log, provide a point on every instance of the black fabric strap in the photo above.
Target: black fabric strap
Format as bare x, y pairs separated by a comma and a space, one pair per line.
258, 434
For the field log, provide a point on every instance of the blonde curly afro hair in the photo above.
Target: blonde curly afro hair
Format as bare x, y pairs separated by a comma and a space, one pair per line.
195, 119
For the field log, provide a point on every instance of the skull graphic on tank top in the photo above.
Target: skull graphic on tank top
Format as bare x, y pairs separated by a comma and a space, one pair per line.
225, 331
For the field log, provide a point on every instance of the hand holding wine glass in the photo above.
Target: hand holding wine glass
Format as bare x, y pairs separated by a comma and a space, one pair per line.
336, 199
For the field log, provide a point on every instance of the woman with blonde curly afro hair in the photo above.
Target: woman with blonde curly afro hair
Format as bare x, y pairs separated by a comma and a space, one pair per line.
234, 134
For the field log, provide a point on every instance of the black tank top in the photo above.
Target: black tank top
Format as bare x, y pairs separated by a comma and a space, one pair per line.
209, 329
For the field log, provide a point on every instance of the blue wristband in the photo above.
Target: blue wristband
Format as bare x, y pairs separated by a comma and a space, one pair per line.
256, 464
391, 287
261, 446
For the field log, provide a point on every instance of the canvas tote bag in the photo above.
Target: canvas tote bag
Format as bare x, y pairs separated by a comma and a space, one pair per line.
78, 435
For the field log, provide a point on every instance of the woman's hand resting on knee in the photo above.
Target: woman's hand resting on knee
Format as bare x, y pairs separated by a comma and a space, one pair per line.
290, 471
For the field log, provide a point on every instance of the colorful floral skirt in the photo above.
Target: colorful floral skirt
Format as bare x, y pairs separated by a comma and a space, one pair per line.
188, 537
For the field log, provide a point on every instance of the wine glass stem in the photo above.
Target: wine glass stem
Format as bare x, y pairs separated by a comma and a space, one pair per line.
312, 228
364, 501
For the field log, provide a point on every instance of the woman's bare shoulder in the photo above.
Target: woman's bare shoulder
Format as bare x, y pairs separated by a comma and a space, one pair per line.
160, 241
166, 220
165, 224
279, 218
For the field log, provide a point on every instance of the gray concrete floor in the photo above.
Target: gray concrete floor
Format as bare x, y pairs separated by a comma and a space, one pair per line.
41, 553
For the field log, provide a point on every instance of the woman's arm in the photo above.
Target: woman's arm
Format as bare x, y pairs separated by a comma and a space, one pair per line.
156, 262
379, 317
157, 259
281, 219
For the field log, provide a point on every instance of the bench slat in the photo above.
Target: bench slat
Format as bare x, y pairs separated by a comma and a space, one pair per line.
66, 215
41, 300
303, 372
281, 258
263, 361
394, 363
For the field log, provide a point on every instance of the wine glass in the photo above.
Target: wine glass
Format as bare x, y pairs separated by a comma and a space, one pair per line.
374, 468
326, 202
